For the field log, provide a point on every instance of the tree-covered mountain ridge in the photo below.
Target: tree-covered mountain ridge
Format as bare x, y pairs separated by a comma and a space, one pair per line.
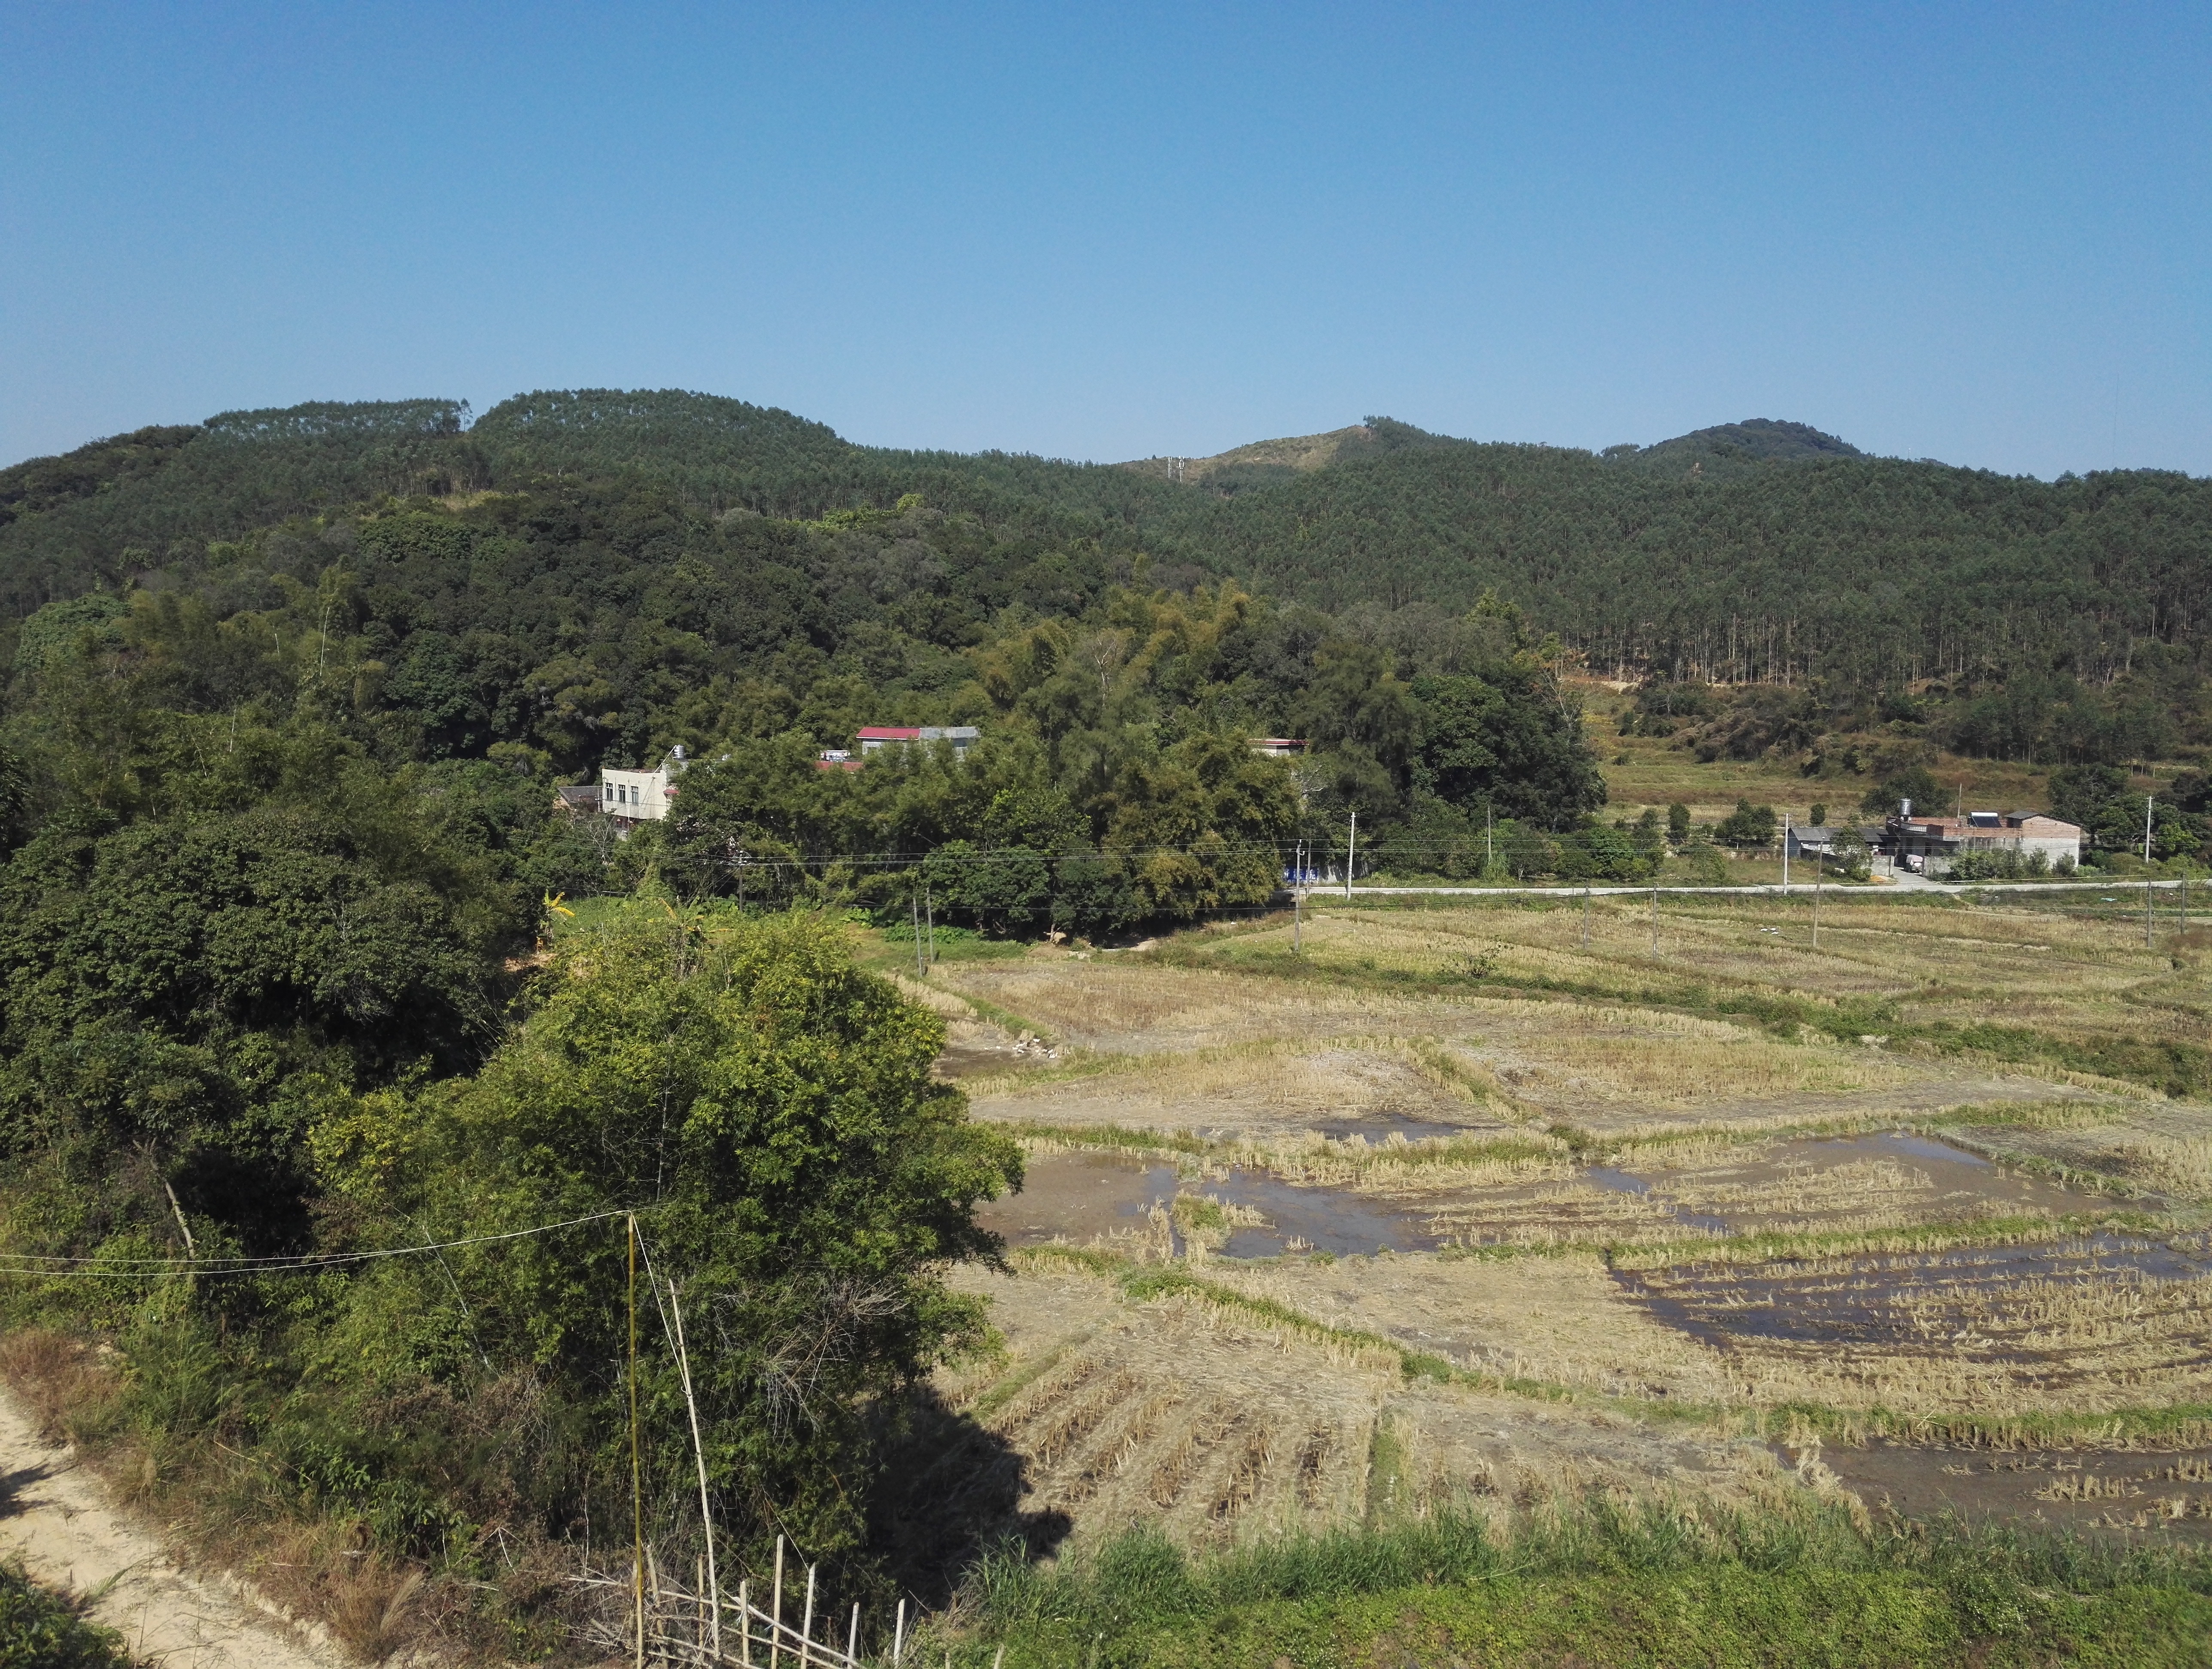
1755, 441
1762, 551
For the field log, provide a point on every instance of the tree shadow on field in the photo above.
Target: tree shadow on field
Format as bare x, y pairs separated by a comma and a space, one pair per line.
951, 1489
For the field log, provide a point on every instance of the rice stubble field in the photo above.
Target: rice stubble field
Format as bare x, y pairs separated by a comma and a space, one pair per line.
1448, 1211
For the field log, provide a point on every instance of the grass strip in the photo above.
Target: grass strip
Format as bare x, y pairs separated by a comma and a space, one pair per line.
1248, 1151
1777, 1247
1110, 1137
2174, 1425
1593, 1583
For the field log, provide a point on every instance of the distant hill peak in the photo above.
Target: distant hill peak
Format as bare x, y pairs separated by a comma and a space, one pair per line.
1754, 441
1292, 455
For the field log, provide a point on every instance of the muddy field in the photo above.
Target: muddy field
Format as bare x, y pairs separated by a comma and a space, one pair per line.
1317, 1247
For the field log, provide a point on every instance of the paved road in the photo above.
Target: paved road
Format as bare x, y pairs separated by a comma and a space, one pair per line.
1905, 882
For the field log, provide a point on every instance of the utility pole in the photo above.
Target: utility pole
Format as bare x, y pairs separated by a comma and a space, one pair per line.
1586, 895
929, 920
1785, 854
1351, 847
1489, 855
2148, 804
1298, 895
1816, 909
914, 909
1655, 923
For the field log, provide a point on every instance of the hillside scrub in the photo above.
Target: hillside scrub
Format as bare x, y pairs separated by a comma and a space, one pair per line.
798, 1184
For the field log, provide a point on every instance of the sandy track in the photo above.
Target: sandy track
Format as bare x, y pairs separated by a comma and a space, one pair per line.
57, 1519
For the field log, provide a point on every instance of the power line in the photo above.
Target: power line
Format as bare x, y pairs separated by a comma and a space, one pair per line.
34, 1263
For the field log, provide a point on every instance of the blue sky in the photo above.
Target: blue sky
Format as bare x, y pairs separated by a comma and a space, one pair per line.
1977, 232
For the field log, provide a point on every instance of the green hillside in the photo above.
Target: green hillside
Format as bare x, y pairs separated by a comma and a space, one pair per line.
2047, 622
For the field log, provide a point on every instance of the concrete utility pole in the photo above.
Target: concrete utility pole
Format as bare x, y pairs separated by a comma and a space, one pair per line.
1785, 854
1489, 856
1351, 847
914, 910
1654, 924
1298, 895
2148, 804
1586, 897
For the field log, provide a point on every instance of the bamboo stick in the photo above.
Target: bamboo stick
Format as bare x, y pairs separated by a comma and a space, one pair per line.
898, 1636
806, 1628
776, 1632
745, 1620
636, 1487
699, 1455
853, 1638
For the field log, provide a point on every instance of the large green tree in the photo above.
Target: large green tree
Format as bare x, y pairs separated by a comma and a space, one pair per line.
768, 1112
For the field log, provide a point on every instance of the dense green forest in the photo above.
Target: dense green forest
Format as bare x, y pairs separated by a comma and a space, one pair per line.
1759, 553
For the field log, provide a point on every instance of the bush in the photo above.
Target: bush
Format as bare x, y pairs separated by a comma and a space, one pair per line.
2000, 865
1707, 867
798, 1177
1748, 825
38, 1631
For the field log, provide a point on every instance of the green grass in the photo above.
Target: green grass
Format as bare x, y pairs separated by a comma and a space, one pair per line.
1798, 1246
39, 1631
1601, 1585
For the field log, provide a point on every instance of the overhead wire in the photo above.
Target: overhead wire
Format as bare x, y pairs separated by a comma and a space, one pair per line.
56, 1266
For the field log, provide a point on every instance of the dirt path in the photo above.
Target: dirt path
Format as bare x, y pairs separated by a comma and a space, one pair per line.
56, 1518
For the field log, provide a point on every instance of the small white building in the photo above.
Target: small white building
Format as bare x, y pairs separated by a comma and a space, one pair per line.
874, 737
642, 796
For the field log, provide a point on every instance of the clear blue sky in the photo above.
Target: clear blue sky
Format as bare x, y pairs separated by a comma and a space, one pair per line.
1977, 232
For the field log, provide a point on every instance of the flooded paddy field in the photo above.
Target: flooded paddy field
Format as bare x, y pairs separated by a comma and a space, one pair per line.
1632, 1243
2081, 1321
1094, 1199
2166, 1492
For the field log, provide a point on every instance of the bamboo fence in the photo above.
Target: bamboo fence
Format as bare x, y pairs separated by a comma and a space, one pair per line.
702, 1628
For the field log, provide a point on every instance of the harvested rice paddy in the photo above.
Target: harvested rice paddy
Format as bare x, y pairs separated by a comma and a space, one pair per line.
1447, 1208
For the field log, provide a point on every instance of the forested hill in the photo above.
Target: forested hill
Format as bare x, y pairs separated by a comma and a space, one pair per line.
1755, 551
